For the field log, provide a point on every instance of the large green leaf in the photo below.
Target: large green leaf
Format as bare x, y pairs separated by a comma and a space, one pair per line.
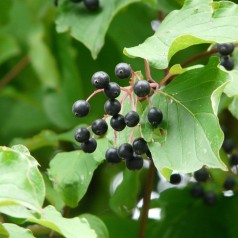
3, 232
20, 180
88, 27
191, 135
233, 107
69, 228
199, 21
17, 231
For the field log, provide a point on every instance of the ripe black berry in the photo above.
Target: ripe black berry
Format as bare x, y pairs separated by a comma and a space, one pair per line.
227, 62
225, 49
125, 151
117, 122
228, 145
175, 178
123, 70
100, 79
99, 127
112, 90
209, 198
135, 162
229, 183
112, 107
197, 190
82, 135
132, 118
201, 175
141, 88
91, 5
81, 108
89, 146
140, 146
155, 116
234, 159
112, 155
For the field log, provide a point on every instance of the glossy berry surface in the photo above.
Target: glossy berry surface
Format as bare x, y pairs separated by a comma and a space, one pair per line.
91, 5
82, 135
100, 80
132, 119
155, 116
226, 48
227, 62
112, 156
228, 145
229, 183
209, 198
141, 88
112, 90
139, 146
234, 159
125, 151
135, 162
112, 107
197, 190
117, 122
175, 178
81, 108
99, 127
123, 70
201, 175
89, 146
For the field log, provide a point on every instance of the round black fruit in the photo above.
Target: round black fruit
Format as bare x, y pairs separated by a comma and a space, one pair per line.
112, 90
81, 108
201, 175
197, 190
141, 88
117, 122
100, 79
227, 62
82, 135
112, 156
139, 146
125, 151
234, 159
91, 5
175, 178
89, 146
135, 162
123, 70
229, 183
209, 198
226, 48
112, 107
132, 118
155, 116
99, 127
228, 145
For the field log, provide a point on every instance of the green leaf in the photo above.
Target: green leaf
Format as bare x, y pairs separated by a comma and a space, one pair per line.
169, 5
213, 22
231, 89
71, 173
3, 232
191, 134
17, 231
20, 180
69, 228
87, 27
120, 202
233, 107
96, 224
5, 7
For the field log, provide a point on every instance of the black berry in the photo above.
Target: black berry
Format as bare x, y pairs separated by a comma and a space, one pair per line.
201, 175
149, 155
81, 108
82, 135
209, 198
135, 162
139, 146
141, 88
99, 127
155, 116
125, 151
234, 159
197, 190
100, 79
112, 107
89, 146
112, 90
229, 183
123, 70
117, 122
228, 145
91, 5
227, 62
175, 178
225, 49
132, 118
112, 155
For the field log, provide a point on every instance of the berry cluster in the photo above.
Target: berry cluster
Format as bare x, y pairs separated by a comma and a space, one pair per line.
91, 5
134, 151
225, 50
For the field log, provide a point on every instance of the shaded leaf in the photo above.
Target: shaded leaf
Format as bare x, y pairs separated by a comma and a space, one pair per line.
17, 231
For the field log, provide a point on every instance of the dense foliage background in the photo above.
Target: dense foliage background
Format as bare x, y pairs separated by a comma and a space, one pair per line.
48, 54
